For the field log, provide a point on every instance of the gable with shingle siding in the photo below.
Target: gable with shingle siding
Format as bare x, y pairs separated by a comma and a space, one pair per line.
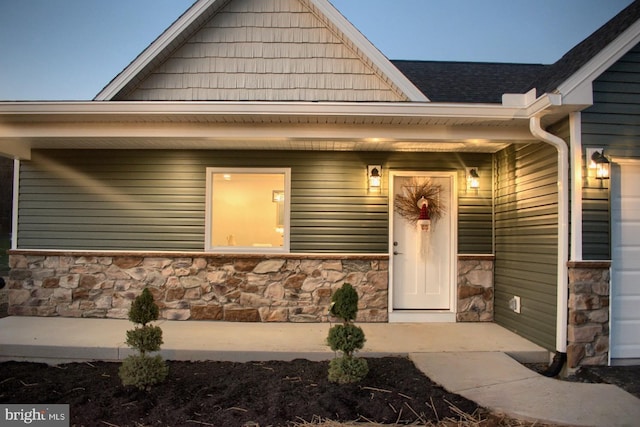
275, 50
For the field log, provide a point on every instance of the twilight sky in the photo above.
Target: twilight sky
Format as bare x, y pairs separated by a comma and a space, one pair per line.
71, 49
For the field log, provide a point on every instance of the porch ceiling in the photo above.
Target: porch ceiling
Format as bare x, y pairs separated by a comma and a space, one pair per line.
250, 125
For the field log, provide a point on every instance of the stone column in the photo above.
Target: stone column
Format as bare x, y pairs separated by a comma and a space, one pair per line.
588, 328
475, 288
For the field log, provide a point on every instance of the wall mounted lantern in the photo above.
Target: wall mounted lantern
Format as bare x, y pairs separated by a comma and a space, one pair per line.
473, 179
374, 177
598, 166
602, 164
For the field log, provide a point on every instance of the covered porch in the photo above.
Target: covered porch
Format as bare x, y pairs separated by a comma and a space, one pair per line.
141, 163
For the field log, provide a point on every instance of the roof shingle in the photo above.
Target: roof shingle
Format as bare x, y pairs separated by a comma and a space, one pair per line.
472, 82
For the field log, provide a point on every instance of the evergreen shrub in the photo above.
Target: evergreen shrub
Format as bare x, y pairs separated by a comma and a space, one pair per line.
142, 370
346, 338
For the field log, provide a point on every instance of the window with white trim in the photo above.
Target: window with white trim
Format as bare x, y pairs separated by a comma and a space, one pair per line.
247, 209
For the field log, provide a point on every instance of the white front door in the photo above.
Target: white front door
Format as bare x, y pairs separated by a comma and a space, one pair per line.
625, 278
423, 261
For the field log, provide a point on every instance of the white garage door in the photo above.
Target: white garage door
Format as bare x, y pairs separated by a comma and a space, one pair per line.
625, 280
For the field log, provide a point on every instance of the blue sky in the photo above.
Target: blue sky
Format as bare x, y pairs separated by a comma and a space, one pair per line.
70, 49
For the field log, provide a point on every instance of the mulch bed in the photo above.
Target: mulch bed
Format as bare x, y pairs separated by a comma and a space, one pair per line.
234, 394
625, 377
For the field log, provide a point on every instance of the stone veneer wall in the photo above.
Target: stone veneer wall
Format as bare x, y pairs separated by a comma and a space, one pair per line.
475, 288
588, 328
194, 286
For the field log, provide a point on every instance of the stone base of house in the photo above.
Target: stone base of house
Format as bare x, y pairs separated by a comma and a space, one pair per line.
195, 286
475, 288
237, 288
588, 328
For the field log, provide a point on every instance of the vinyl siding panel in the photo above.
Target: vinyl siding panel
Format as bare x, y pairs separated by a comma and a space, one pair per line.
276, 50
526, 245
155, 199
612, 123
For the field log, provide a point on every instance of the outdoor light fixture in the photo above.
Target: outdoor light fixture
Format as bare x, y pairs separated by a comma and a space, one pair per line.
473, 179
601, 164
598, 165
374, 177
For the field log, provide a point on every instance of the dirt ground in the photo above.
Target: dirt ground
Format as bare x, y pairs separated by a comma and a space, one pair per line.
625, 377
234, 394
259, 394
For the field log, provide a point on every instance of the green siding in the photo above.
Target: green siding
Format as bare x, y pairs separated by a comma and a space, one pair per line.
526, 206
155, 199
612, 123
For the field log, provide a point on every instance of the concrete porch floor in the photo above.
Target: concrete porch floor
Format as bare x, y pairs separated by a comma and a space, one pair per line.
57, 339
469, 359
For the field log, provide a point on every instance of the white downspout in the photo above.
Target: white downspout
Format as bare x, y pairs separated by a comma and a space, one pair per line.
14, 206
563, 224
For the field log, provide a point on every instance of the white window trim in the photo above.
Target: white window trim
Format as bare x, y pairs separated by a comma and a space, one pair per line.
208, 229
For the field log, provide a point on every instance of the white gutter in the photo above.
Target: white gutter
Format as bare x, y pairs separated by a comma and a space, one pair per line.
563, 223
123, 109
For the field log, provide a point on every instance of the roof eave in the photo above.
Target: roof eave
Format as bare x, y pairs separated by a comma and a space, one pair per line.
10, 111
25, 123
578, 88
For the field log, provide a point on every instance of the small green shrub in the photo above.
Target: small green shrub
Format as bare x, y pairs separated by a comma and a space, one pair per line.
142, 370
344, 303
346, 338
144, 339
347, 370
143, 309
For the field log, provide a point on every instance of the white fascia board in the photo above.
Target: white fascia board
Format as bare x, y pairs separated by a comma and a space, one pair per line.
380, 61
532, 105
355, 109
156, 47
545, 101
519, 99
578, 89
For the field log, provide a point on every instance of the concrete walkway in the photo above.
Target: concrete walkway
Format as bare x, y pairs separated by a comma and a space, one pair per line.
495, 380
469, 359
